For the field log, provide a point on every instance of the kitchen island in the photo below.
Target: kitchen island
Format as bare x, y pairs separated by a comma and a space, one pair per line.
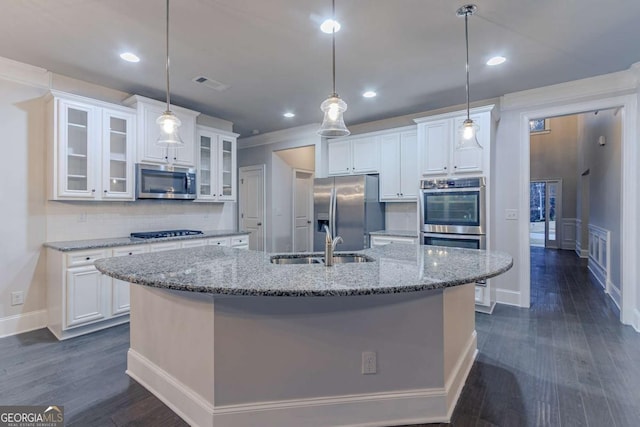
226, 338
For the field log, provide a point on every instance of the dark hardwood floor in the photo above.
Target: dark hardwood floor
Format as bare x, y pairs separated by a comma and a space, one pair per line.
567, 361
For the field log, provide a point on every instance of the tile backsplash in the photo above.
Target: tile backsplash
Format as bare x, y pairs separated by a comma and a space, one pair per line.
401, 216
90, 220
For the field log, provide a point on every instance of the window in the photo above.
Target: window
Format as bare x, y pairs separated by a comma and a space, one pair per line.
539, 126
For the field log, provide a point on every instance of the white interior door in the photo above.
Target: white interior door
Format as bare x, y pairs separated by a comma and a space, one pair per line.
251, 208
302, 210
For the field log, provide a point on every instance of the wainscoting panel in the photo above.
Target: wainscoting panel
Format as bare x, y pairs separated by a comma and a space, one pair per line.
600, 260
568, 233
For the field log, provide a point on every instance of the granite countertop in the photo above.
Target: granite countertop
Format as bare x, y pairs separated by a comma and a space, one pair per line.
75, 245
221, 270
395, 233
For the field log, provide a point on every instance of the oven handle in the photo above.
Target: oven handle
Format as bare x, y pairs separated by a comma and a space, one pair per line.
453, 190
455, 236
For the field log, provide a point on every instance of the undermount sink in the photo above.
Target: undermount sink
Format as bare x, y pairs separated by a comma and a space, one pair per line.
295, 259
287, 259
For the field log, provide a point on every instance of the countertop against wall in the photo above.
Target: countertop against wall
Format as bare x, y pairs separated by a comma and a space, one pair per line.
75, 245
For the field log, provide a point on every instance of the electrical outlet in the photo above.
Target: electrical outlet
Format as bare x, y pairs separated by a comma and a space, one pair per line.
369, 362
17, 298
511, 214
82, 217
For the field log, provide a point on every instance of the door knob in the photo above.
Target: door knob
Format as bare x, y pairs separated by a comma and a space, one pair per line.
259, 224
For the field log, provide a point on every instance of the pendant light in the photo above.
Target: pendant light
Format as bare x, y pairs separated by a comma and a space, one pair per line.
468, 131
169, 122
333, 107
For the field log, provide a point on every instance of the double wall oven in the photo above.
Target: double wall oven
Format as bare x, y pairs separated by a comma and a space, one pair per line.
453, 212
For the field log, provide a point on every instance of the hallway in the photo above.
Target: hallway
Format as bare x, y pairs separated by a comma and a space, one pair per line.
568, 361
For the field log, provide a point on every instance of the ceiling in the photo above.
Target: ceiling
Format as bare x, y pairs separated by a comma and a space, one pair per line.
275, 59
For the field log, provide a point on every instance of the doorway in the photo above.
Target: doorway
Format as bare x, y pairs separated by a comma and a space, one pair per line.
302, 210
251, 209
545, 213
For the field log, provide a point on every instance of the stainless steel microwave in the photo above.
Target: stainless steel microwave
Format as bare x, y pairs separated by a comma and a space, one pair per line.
165, 182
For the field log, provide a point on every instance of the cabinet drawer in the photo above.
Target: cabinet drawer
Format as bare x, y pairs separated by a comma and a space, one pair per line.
194, 243
76, 259
130, 250
239, 241
167, 246
222, 241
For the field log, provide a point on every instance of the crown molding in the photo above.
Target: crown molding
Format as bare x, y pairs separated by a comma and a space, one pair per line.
24, 73
297, 133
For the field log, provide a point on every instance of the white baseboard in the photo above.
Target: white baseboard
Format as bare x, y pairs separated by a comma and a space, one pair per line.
614, 293
636, 320
370, 410
582, 253
508, 297
598, 273
24, 322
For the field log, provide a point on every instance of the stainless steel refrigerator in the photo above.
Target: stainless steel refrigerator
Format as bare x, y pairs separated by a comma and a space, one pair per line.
349, 206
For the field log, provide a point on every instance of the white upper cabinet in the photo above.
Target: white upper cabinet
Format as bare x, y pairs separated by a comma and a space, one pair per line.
399, 167
148, 131
354, 155
91, 147
217, 160
437, 136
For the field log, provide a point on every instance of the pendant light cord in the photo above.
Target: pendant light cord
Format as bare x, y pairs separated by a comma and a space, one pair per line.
466, 36
333, 37
167, 43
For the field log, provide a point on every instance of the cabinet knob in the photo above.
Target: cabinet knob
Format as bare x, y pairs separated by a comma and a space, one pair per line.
88, 258
308, 222
93, 190
259, 224
166, 157
445, 168
175, 158
455, 167
105, 191
401, 194
130, 253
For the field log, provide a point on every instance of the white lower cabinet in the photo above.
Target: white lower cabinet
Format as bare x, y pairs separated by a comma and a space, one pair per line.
119, 288
80, 299
87, 294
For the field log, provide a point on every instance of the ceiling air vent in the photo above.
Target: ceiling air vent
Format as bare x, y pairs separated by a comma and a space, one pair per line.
211, 84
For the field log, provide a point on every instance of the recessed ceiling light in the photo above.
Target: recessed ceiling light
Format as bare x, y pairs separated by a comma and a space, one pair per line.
130, 57
369, 94
496, 60
289, 115
328, 25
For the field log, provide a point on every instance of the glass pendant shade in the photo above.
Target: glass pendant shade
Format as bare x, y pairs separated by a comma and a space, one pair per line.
333, 122
169, 124
468, 136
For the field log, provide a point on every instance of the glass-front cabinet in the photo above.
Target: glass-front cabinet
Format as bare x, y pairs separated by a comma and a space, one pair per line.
216, 165
90, 149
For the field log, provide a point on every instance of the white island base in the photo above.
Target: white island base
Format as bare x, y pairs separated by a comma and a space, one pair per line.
297, 361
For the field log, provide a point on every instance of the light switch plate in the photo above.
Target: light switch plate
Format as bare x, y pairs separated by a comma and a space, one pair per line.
511, 214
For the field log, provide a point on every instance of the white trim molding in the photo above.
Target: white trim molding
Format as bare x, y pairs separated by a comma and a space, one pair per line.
582, 253
24, 73
636, 320
24, 322
568, 233
508, 297
372, 409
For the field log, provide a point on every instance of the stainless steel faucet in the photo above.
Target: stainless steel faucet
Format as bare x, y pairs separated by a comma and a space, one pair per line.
330, 244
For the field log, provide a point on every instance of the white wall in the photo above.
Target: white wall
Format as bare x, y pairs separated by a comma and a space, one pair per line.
401, 216
27, 219
605, 176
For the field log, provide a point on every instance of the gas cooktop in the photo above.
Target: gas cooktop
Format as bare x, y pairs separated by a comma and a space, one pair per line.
165, 233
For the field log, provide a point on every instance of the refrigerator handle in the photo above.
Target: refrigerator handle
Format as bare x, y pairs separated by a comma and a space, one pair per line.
332, 213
